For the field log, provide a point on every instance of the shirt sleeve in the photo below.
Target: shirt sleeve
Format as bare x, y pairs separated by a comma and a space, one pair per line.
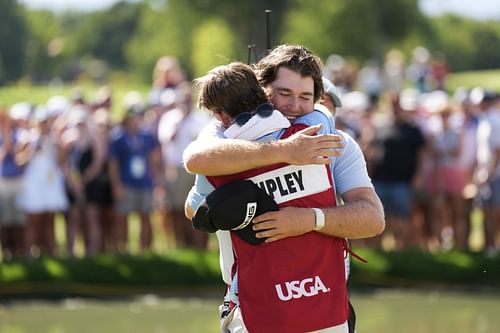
349, 169
198, 192
318, 116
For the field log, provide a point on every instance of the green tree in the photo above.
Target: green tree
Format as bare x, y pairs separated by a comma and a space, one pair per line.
162, 30
13, 35
168, 27
487, 46
43, 54
452, 36
214, 45
467, 44
357, 28
104, 34
247, 20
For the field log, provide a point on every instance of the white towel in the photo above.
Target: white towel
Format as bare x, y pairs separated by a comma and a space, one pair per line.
257, 127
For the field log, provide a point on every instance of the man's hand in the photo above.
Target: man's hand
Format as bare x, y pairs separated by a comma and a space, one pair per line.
305, 147
287, 222
361, 216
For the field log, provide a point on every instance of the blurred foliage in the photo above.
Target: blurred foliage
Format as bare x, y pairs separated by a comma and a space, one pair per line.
489, 79
13, 40
467, 44
357, 28
104, 34
113, 275
43, 53
129, 37
216, 51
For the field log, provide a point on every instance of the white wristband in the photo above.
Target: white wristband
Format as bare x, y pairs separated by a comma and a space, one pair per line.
319, 221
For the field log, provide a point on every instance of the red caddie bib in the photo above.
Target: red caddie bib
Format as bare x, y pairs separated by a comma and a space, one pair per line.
295, 284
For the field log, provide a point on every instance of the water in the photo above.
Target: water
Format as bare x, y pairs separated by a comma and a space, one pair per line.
378, 311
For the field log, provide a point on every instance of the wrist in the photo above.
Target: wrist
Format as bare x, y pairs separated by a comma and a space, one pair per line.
319, 219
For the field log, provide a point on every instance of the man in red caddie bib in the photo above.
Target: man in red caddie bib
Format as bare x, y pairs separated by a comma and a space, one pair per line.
296, 284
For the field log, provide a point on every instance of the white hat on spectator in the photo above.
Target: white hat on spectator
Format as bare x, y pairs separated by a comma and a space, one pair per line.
20, 111
356, 101
436, 101
332, 91
40, 114
78, 115
133, 99
409, 99
57, 105
169, 98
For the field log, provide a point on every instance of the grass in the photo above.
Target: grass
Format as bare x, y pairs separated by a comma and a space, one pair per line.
489, 79
175, 270
423, 269
39, 94
168, 270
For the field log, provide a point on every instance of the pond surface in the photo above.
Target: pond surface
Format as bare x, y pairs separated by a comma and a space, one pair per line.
380, 311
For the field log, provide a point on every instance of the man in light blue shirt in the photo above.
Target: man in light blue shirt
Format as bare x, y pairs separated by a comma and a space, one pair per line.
293, 92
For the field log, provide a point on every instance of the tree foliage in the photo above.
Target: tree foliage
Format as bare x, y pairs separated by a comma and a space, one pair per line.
131, 36
213, 45
13, 35
44, 50
355, 28
104, 34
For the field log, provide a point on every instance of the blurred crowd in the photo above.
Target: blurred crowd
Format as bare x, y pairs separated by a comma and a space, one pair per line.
432, 156
67, 157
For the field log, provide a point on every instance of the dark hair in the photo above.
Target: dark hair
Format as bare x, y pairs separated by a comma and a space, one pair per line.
296, 58
231, 88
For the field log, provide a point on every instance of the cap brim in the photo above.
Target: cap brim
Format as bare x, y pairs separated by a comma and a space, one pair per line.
201, 219
336, 100
264, 204
232, 207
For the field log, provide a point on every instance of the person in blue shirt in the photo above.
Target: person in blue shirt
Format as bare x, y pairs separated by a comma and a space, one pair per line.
134, 172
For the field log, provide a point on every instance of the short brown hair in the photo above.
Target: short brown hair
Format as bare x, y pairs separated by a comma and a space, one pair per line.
296, 58
231, 88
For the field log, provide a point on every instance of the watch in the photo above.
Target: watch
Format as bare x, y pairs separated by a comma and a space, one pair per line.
319, 221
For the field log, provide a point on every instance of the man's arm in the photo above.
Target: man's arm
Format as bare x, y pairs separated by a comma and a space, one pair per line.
361, 216
228, 156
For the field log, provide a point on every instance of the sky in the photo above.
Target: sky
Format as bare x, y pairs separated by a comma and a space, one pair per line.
476, 9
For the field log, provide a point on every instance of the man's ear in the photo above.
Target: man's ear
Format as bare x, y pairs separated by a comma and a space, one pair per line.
269, 91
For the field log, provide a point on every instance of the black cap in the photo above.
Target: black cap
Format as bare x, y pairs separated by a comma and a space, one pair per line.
232, 207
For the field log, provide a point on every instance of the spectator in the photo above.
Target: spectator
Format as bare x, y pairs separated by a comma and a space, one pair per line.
42, 194
12, 219
490, 192
394, 163
84, 157
134, 170
448, 183
177, 129
107, 215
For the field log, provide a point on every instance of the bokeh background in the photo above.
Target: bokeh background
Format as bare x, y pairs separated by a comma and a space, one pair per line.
106, 55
